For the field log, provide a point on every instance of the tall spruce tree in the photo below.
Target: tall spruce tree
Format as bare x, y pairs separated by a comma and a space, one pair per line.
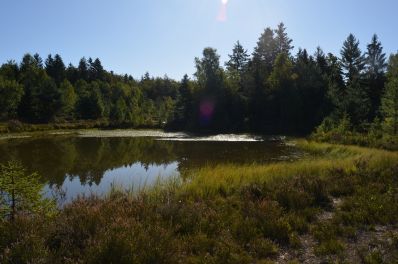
238, 60
266, 50
356, 102
282, 40
375, 73
352, 60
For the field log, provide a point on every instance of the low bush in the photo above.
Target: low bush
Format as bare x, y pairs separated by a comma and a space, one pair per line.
223, 214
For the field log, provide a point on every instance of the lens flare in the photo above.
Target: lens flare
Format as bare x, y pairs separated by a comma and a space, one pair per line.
206, 111
222, 15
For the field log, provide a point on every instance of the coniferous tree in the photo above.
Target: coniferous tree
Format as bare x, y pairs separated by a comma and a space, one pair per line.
184, 103
33, 78
282, 40
72, 73
271, 92
265, 52
210, 78
96, 71
389, 101
312, 89
375, 73
20, 192
83, 69
356, 101
55, 68
352, 59
260, 68
321, 60
10, 70
38, 60
238, 86
238, 60
47, 101
336, 86
286, 99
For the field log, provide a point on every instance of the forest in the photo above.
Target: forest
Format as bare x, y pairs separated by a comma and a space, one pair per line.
269, 91
308, 200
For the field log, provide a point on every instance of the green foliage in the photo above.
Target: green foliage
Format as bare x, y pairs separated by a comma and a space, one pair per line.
11, 93
20, 193
283, 42
352, 59
228, 214
238, 62
389, 106
375, 74
68, 99
281, 83
269, 92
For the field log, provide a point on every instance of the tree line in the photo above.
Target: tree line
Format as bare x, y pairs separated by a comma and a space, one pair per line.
268, 91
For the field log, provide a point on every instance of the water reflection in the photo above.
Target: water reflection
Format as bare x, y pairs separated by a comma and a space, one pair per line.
90, 164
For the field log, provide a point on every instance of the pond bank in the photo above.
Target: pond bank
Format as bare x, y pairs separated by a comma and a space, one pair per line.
15, 126
304, 211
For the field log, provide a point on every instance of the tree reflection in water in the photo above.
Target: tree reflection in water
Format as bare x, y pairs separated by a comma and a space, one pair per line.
77, 162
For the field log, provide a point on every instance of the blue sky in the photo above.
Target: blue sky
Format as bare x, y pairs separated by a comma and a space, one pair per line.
164, 36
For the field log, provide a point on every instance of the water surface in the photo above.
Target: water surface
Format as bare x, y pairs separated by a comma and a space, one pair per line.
91, 161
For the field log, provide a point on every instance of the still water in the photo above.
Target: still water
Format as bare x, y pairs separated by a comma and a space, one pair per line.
86, 162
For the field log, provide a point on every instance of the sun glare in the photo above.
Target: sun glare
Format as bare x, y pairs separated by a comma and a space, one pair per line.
222, 15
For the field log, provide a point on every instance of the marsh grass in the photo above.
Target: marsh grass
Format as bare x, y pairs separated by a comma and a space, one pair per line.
221, 214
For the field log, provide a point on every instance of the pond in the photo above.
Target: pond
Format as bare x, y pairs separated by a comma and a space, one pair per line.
90, 161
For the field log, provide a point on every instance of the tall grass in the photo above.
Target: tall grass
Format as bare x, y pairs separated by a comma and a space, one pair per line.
221, 214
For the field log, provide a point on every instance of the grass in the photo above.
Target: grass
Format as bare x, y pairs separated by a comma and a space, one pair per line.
222, 214
15, 126
374, 138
